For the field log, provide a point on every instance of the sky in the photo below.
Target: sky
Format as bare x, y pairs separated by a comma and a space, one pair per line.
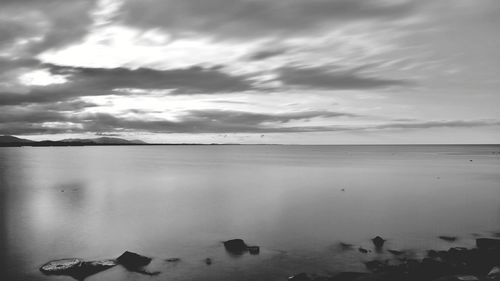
252, 71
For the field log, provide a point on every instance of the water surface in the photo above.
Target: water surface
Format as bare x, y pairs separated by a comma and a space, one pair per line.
296, 202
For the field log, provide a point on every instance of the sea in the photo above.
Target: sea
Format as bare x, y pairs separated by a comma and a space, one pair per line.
298, 203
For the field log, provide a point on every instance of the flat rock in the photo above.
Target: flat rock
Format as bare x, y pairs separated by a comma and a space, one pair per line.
76, 268
61, 267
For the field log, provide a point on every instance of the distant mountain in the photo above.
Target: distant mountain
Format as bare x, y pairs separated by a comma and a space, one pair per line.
12, 139
15, 141
104, 140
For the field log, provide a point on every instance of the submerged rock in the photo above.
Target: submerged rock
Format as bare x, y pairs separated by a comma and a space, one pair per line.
236, 246
208, 261
448, 238
378, 242
133, 261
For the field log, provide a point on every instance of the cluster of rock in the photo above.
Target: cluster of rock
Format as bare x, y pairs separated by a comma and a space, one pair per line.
80, 269
457, 264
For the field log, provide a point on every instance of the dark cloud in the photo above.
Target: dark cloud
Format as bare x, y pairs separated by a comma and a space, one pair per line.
55, 23
196, 121
34, 121
102, 81
255, 18
325, 78
190, 80
438, 124
265, 54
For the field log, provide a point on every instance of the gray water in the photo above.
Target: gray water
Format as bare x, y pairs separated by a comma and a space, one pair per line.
182, 201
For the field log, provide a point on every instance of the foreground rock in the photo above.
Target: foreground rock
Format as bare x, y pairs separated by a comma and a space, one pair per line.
488, 244
378, 242
76, 268
456, 264
132, 260
135, 262
239, 247
235, 246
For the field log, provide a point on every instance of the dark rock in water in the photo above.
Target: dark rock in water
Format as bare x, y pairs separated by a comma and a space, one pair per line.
133, 261
345, 246
448, 238
458, 278
378, 242
61, 267
363, 250
395, 252
253, 250
300, 277
173, 260
487, 243
76, 268
208, 261
235, 246
88, 268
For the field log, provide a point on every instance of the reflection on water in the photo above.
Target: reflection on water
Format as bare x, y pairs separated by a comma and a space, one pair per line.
296, 202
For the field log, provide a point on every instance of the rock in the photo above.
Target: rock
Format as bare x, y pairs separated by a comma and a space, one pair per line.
395, 252
253, 250
76, 268
448, 238
61, 267
88, 268
133, 261
378, 242
236, 246
208, 261
300, 277
458, 278
363, 250
345, 246
494, 273
487, 243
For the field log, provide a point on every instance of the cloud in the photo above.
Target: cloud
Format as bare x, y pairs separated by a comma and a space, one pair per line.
195, 121
192, 80
83, 81
324, 78
236, 19
43, 24
265, 54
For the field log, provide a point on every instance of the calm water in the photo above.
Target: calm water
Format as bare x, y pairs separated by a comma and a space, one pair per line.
182, 201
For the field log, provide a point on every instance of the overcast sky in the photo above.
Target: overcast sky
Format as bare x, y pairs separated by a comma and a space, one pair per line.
252, 71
